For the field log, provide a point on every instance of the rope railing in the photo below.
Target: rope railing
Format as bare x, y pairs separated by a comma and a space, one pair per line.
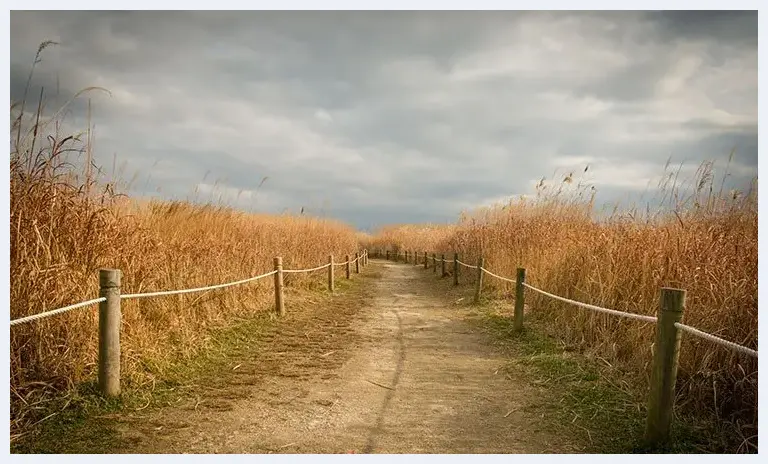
128, 296
497, 276
716, 340
294, 271
640, 317
54, 312
110, 314
466, 265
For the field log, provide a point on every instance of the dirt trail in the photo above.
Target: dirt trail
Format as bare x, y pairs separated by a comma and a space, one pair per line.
417, 378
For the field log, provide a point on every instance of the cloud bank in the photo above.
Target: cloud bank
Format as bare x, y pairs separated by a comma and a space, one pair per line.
382, 117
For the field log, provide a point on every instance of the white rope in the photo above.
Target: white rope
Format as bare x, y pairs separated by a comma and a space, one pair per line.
718, 340
292, 271
127, 296
343, 262
593, 307
466, 265
54, 312
193, 290
497, 276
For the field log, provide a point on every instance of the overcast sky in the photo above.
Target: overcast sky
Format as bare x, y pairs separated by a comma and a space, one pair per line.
376, 118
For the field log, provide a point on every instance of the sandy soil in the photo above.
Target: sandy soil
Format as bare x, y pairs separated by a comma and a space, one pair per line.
404, 373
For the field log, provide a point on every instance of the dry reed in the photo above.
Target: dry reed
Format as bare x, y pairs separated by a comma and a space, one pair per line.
705, 243
64, 227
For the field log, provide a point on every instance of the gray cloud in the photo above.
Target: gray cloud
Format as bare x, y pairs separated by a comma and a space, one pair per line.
398, 117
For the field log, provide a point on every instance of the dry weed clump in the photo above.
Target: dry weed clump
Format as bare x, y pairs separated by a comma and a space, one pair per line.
64, 229
705, 243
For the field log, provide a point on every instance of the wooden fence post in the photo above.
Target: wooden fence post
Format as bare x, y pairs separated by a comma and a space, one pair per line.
434, 263
357, 262
442, 265
330, 274
109, 332
479, 282
519, 299
346, 267
455, 269
279, 305
387, 255
661, 400
415, 258
426, 260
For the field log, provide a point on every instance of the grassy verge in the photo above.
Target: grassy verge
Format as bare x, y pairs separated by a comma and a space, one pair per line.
583, 396
234, 360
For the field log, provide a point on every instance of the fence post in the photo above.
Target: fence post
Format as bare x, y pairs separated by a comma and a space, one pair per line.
357, 262
346, 267
442, 265
661, 400
434, 263
279, 305
479, 282
365, 260
109, 332
387, 255
426, 260
455, 269
330, 273
519, 299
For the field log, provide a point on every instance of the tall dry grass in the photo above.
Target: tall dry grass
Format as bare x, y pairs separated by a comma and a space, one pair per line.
704, 241
64, 226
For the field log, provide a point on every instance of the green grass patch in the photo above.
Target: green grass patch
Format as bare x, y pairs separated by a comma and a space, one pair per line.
82, 421
580, 397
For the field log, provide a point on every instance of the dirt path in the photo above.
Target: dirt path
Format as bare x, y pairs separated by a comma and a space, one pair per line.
415, 378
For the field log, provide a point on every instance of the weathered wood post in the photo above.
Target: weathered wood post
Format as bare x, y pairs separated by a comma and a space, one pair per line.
346, 267
387, 255
479, 282
415, 258
109, 332
279, 305
330, 273
661, 400
442, 265
357, 262
519, 299
426, 260
455, 269
434, 263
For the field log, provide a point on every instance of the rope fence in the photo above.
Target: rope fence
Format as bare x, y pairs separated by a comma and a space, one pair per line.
194, 290
297, 271
110, 314
666, 346
497, 276
640, 317
54, 312
717, 340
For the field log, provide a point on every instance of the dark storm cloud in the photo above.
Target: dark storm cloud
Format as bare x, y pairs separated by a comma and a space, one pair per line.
399, 116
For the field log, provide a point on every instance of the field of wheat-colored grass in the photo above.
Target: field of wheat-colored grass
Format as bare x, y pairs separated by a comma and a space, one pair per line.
705, 243
64, 227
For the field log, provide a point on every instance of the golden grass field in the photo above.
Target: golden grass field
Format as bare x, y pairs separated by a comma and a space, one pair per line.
705, 243
64, 228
